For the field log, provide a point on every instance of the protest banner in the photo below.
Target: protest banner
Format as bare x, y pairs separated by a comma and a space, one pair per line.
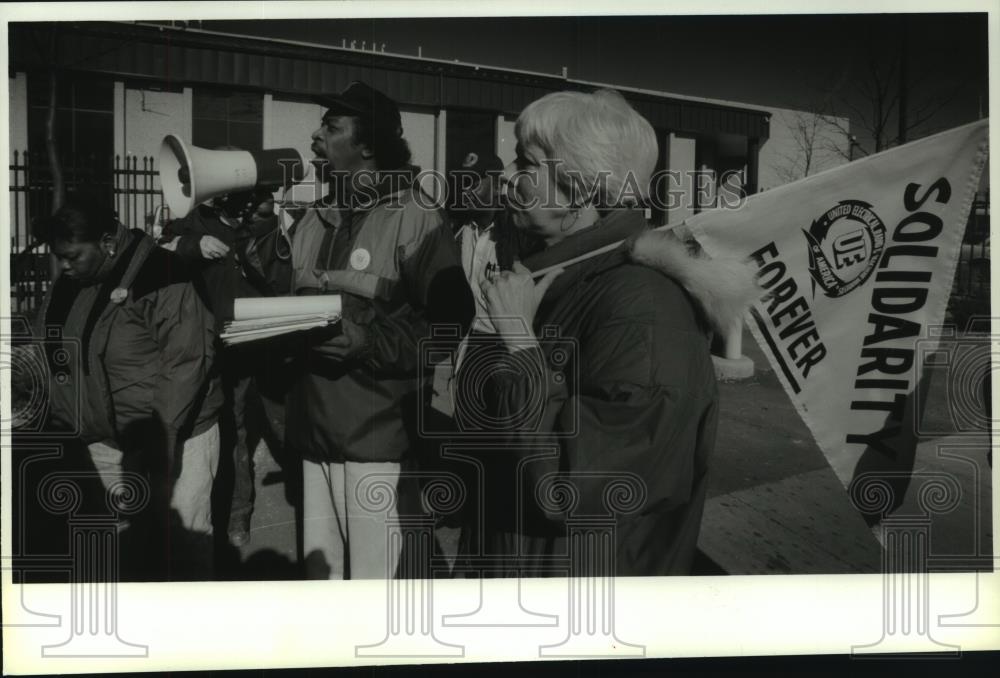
855, 265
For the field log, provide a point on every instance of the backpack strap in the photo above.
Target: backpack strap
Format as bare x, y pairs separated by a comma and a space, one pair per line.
121, 277
124, 266
142, 250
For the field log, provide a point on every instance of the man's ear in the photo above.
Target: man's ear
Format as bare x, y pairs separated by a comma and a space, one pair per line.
367, 153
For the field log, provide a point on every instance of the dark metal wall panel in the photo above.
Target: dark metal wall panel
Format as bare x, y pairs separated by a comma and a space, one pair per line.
507, 98
142, 52
414, 89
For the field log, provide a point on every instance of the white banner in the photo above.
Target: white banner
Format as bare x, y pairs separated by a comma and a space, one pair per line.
855, 264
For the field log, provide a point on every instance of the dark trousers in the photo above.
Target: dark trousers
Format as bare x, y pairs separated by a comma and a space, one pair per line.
241, 396
234, 490
254, 410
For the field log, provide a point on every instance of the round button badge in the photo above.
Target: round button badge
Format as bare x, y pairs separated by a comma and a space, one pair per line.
360, 259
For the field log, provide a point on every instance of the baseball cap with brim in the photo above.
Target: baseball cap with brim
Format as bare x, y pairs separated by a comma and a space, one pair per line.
360, 100
482, 163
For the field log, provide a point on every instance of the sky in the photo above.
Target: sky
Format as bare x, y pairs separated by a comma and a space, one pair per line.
792, 61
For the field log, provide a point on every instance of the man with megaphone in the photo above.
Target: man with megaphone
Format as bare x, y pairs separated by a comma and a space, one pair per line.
225, 239
384, 246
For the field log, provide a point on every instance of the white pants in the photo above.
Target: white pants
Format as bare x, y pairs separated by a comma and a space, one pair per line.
344, 535
190, 497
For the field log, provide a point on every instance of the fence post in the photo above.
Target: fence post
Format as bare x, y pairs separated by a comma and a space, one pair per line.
147, 174
15, 187
116, 184
133, 175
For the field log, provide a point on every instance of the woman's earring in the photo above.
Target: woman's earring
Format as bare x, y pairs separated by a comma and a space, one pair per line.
563, 227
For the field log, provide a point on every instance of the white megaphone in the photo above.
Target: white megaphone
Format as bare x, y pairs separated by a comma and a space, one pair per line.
190, 175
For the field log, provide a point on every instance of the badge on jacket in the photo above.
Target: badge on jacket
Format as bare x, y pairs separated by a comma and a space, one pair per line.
360, 259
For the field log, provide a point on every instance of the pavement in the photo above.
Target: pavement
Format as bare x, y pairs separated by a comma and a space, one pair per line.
774, 505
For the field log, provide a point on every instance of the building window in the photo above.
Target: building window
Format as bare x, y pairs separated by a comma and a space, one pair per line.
228, 119
84, 130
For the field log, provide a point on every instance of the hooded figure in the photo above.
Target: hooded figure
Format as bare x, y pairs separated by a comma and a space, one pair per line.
601, 396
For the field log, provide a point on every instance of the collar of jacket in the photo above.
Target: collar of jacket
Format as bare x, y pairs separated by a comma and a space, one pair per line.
722, 288
393, 183
475, 229
333, 215
617, 225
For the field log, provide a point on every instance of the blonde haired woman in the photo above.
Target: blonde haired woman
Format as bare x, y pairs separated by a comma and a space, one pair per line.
604, 401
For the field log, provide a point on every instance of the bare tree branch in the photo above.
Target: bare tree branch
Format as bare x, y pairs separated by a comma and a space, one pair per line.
811, 139
875, 96
51, 141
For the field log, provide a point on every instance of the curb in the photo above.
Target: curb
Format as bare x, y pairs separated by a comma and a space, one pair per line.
733, 369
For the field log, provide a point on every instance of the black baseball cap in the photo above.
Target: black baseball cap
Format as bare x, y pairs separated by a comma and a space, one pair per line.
482, 163
360, 100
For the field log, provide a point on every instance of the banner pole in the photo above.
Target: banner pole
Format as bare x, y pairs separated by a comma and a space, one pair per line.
593, 253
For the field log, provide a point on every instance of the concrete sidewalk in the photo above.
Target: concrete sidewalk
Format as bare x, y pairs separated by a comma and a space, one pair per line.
774, 506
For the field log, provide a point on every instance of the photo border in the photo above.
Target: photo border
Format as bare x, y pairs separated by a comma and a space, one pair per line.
236, 625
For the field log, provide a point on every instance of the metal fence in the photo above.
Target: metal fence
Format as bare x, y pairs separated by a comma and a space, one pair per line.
972, 276
135, 192
30, 196
133, 189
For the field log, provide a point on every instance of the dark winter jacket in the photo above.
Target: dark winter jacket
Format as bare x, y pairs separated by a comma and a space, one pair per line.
141, 352
251, 268
397, 269
614, 418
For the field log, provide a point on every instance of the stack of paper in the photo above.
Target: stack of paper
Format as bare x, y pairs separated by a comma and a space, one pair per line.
263, 317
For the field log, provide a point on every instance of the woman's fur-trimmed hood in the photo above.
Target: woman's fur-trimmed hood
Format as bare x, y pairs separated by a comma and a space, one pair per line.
723, 288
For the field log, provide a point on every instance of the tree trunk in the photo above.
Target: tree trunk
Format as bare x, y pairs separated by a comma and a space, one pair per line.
51, 145
903, 84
